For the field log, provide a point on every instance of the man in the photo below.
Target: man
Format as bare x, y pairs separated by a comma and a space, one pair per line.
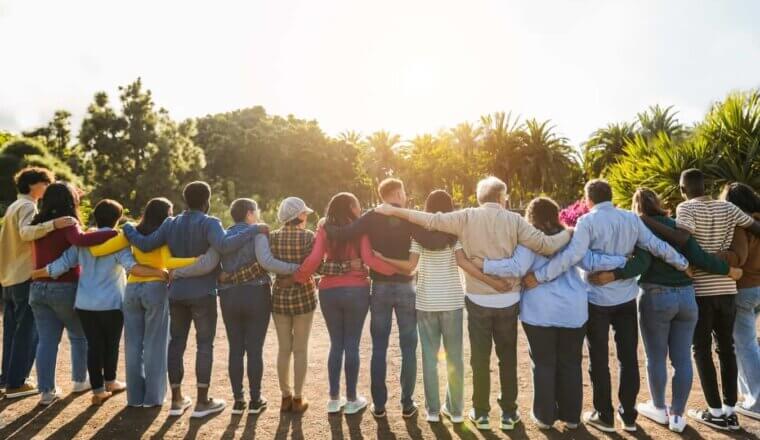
711, 223
489, 231
392, 238
611, 231
16, 237
193, 299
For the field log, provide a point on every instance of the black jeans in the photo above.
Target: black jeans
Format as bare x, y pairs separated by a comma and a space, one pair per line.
498, 328
556, 354
623, 319
246, 311
201, 312
716, 319
103, 332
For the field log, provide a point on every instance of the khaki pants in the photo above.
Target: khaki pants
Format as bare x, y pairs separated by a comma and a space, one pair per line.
293, 337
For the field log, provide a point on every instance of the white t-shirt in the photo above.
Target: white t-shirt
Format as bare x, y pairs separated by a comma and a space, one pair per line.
439, 281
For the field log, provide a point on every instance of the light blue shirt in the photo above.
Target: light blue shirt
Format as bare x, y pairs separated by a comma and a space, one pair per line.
612, 231
562, 302
102, 280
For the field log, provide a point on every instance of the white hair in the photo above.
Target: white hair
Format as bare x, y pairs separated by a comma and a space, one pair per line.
491, 189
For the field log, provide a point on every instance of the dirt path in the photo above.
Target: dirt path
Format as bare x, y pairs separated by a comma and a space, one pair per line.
73, 417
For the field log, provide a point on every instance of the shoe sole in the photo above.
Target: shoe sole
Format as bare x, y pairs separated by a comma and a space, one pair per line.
410, 415
378, 416
600, 427
257, 411
352, 412
21, 394
49, 403
180, 411
237, 412
481, 427
208, 412
711, 425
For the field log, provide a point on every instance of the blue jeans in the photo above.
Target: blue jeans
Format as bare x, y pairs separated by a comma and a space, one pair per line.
747, 348
53, 308
344, 309
19, 335
667, 318
385, 298
146, 340
433, 327
246, 311
201, 312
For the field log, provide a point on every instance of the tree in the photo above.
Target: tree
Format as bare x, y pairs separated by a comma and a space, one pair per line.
604, 147
503, 139
139, 153
656, 120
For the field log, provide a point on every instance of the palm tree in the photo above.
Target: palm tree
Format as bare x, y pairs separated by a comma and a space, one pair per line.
547, 157
351, 137
503, 138
604, 147
656, 119
466, 136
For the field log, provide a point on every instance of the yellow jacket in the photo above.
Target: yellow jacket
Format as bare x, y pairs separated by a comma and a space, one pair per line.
160, 258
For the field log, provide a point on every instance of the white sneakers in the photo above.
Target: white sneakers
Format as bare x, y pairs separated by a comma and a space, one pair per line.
335, 405
48, 397
650, 411
447, 413
177, 409
433, 417
677, 423
348, 407
81, 387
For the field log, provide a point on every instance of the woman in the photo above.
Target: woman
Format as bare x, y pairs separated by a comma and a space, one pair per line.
553, 315
344, 299
668, 313
747, 304
146, 311
52, 300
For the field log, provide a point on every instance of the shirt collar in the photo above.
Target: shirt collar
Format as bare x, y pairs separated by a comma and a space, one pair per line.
603, 205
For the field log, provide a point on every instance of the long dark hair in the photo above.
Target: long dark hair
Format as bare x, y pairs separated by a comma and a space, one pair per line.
156, 211
59, 200
440, 201
646, 202
339, 212
543, 214
743, 196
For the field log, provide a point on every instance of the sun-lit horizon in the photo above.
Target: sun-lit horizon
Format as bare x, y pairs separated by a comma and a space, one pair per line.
406, 68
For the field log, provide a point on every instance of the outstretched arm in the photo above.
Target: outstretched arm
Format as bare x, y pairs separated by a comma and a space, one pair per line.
569, 257
268, 261
147, 243
658, 248
227, 243
205, 264
597, 261
111, 246
76, 237
676, 236
352, 231
515, 266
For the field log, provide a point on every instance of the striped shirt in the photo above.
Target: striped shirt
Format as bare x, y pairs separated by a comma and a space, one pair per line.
439, 282
711, 223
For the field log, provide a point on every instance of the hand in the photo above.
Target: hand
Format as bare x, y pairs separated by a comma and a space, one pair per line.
170, 275
601, 278
501, 284
224, 277
64, 222
384, 209
166, 275
529, 281
285, 282
356, 264
263, 228
689, 272
735, 273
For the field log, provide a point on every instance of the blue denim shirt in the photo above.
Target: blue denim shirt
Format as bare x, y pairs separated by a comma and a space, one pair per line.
562, 302
102, 281
612, 231
256, 251
190, 234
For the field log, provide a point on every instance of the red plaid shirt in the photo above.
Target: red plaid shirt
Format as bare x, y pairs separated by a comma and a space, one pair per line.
293, 245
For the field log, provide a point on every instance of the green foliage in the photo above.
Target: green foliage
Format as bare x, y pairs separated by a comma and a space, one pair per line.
21, 152
140, 152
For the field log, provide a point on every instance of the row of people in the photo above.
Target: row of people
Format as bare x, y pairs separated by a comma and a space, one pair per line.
580, 292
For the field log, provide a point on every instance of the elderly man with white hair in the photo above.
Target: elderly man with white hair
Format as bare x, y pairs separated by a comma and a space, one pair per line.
489, 231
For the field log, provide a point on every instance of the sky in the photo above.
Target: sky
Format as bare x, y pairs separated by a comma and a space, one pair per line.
407, 66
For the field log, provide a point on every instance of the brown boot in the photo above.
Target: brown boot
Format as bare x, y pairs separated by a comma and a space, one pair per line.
101, 397
300, 405
287, 404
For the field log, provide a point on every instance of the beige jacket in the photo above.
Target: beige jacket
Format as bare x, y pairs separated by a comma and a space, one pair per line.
16, 237
490, 231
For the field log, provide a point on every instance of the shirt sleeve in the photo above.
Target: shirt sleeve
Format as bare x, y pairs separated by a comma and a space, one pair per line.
595, 261
515, 266
568, 257
741, 218
415, 248
227, 243
704, 260
67, 261
76, 237
126, 259
449, 222
172, 262
357, 228
204, 265
369, 258
111, 246
537, 241
685, 218
658, 248
26, 229
314, 259
268, 261
635, 266
147, 243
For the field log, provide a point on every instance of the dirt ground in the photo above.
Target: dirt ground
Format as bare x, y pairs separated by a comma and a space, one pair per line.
74, 418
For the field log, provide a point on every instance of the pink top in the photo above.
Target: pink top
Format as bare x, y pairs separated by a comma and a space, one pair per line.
356, 278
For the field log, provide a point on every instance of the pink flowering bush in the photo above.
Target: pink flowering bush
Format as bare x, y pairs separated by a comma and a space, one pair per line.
570, 215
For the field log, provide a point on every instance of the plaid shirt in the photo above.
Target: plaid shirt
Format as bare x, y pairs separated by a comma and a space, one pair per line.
254, 271
293, 245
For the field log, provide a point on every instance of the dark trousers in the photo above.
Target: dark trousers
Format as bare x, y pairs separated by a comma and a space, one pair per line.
246, 311
201, 312
103, 332
491, 327
623, 320
19, 335
716, 320
556, 354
